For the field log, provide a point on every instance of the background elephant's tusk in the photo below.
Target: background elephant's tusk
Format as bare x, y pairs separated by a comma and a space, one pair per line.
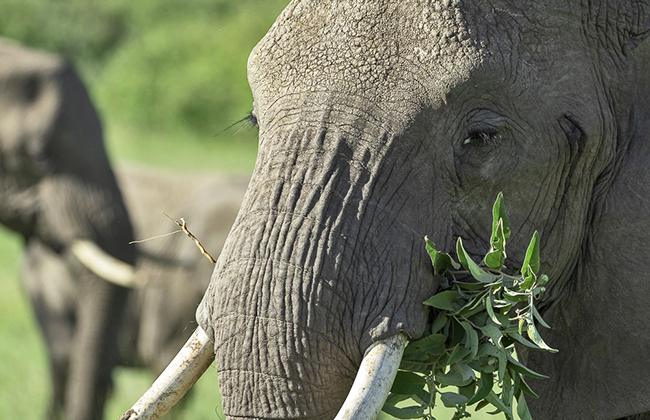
104, 265
374, 379
187, 367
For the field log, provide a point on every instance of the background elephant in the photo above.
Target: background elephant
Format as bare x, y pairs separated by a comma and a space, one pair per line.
41, 189
382, 122
160, 315
56, 188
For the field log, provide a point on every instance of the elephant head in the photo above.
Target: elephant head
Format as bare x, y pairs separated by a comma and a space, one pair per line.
59, 192
384, 121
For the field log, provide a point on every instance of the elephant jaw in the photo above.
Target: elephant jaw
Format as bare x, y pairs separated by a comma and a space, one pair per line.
105, 265
366, 398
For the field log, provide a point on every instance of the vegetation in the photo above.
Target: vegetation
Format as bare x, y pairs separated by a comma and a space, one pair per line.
480, 314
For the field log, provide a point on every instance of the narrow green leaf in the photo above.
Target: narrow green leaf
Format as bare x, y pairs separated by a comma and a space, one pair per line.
420, 350
458, 354
538, 317
485, 387
502, 355
490, 310
493, 399
453, 379
521, 340
452, 399
412, 412
443, 300
522, 409
466, 372
440, 260
439, 323
467, 262
525, 387
533, 334
518, 367
531, 261
499, 213
407, 383
472, 335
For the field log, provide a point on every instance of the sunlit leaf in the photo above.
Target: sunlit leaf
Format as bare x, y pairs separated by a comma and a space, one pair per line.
440, 260
499, 213
467, 262
531, 261
534, 336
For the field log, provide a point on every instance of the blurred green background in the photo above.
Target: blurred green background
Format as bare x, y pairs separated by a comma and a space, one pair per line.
167, 77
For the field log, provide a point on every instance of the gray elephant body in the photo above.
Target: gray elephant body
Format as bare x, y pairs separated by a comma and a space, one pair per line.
159, 316
56, 186
382, 122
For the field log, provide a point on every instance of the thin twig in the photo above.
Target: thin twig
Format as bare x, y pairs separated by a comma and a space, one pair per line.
154, 237
183, 227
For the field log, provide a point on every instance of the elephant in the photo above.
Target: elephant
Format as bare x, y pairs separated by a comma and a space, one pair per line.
170, 274
383, 121
171, 271
59, 192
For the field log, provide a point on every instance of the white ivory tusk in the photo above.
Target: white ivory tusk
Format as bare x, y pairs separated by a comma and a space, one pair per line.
374, 379
187, 367
104, 265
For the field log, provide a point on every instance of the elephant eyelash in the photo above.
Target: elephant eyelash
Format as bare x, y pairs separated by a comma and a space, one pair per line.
246, 123
482, 138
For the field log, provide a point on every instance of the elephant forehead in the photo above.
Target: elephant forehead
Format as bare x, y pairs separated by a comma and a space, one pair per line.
406, 52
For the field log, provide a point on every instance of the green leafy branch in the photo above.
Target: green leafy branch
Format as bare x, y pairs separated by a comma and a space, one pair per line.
480, 314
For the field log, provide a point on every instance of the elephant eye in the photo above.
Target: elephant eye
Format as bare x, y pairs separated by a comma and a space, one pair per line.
482, 137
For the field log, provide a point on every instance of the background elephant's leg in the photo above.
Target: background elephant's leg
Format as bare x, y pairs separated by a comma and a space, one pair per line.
643, 416
95, 348
53, 296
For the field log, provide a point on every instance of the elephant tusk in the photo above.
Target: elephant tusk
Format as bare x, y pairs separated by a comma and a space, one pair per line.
374, 379
187, 367
104, 265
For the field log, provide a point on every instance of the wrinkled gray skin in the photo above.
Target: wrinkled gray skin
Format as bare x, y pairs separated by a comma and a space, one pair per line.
382, 122
56, 186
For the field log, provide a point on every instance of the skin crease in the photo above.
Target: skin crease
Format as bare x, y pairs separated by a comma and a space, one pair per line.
382, 122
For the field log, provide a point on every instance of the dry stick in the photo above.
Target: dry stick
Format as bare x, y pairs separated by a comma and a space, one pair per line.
183, 227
